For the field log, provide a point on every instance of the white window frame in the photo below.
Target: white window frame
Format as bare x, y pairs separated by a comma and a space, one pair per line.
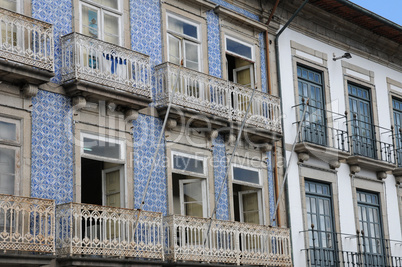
122, 185
259, 188
19, 7
183, 39
101, 11
203, 192
201, 158
252, 59
108, 139
16, 146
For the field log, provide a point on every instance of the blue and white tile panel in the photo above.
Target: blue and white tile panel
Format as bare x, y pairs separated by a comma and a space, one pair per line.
146, 133
271, 185
52, 147
219, 156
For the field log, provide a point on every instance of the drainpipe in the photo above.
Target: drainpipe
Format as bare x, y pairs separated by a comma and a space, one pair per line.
279, 84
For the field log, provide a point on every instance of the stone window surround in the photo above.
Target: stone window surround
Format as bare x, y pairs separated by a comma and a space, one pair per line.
393, 93
375, 186
84, 125
242, 154
182, 149
322, 176
310, 58
245, 35
184, 12
125, 11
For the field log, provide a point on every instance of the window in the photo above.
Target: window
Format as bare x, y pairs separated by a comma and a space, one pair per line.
397, 110
184, 42
370, 223
101, 19
10, 155
240, 61
102, 171
363, 142
247, 196
189, 185
13, 5
310, 86
319, 213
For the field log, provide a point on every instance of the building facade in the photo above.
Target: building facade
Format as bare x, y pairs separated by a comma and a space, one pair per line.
127, 137
341, 73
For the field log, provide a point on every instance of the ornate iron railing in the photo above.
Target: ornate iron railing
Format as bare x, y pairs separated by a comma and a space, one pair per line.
92, 60
325, 250
210, 95
85, 229
27, 224
323, 127
365, 141
26, 40
188, 239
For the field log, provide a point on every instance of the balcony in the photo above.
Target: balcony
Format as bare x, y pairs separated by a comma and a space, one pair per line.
188, 239
27, 226
367, 148
85, 230
369, 252
104, 71
323, 133
26, 49
217, 99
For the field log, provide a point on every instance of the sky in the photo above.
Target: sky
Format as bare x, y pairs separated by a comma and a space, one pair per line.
389, 9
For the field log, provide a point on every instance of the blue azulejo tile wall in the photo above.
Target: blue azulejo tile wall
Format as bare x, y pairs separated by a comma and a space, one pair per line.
214, 45
146, 133
271, 185
261, 40
60, 14
145, 20
52, 147
219, 156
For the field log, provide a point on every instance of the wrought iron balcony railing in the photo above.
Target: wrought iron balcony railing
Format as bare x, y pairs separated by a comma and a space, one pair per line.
323, 127
217, 97
365, 142
95, 61
26, 40
85, 229
188, 239
325, 250
27, 224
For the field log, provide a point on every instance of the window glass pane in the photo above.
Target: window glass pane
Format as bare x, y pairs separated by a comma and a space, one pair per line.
174, 50
238, 48
188, 164
193, 199
9, 4
90, 21
8, 131
101, 148
191, 51
111, 29
182, 27
245, 175
250, 208
108, 3
7, 171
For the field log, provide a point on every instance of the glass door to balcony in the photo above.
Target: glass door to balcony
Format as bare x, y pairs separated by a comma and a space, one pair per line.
321, 250
314, 122
363, 141
397, 107
370, 224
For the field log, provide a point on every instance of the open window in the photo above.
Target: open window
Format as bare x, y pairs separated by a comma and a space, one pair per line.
189, 185
184, 42
240, 61
247, 195
102, 171
11, 36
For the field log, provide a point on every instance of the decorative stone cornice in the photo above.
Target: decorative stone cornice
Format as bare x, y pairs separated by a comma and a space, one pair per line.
30, 90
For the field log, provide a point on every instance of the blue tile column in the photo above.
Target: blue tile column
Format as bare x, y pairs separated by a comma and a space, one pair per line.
219, 157
263, 60
214, 44
52, 147
146, 133
60, 14
271, 185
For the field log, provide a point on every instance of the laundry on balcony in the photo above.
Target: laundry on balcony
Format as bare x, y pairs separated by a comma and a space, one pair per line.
115, 64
